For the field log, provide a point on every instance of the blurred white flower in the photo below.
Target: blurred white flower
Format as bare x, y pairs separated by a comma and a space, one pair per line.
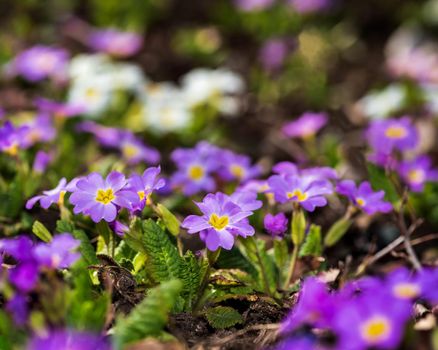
381, 104
430, 96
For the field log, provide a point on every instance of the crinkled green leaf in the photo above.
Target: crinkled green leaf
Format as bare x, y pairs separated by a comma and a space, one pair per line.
223, 317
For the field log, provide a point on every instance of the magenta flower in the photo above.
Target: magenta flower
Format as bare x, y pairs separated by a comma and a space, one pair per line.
276, 225
310, 6
364, 197
221, 222
58, 109
404, 285
42, 160
417, 172
68, 339
12, 138
19, 309
275, 51
307, 193
307, 125
101, 199
115, 42
253, 5
59, 253
195, 168
385, 136
298, 343
40, 62
237, 167
144, 185
55, 195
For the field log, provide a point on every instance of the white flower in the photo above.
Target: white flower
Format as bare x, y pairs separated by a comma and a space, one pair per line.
87, 66
430, 95
126, 76
381, 104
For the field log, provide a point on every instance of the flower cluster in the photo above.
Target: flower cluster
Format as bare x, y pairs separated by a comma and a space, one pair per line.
368, 313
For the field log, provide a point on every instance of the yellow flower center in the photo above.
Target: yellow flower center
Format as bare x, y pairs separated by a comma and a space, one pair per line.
395, 132
218, 222
416, 176
140, 195
91, 94
12, 150
196, 172
297, 193
360, 202
376, 329
61, 198
237, 171
129, 151
406, 290
105, 196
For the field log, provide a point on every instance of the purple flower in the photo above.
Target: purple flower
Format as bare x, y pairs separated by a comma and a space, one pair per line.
297, 343
404, 285
428, 278
101, 198
315, 307
307, 125
372, 320
24, 275
417, 172
144, 185
115, 42
195, 168
310, 6
135, 151
364, 197
246, 200
118, 228
42, 160
274, 52
40, 129
19, 309
68, 339
237, 167
276, 225
58, 254
55, 195
40, 62
385, 136
304, 191
57, 109
253, 5
106, 136
12, 138
221, 222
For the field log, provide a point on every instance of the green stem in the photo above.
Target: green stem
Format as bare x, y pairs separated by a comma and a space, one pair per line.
292, 264
262, 266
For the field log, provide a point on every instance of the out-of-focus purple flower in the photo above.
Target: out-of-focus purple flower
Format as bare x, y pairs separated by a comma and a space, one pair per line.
310, 6
355, 288
221, 222
404, 285
59, 253
276, 225
115, 42
417, 172
55, 195
387, 161
144, 185
24, 275
101, 199
315, 307
20, 247
246, 200
274, 52
68, 339
19, 309
385, 136
40, 62
307, 125
297, 343
12, 138
428, 278
195, 168
42, 160
253, 5
40, 129
118, 228
58, 109
364, 197
372, 320
237, 167
106, 136
307, 193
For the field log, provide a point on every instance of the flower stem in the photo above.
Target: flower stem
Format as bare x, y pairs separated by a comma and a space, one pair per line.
292, 264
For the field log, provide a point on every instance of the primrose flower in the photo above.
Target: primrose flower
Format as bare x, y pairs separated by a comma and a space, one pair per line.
19, 309
246, 200
304, 191
55, 195
298, 343
372, 320
40, 62
417, 172
221, 222
12, 138
364, 197
195, 168
404, 285
381, 104
275, 51
144, 185
68, 339
312, 174
40, 129
101, 199
315, 307
58, 254
106, 136
58, 109
115, 42
41, 161
135, 151
275, 225
237, 167
306, 126
309, 6
385, 136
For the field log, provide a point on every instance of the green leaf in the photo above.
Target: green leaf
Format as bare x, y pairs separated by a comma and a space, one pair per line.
134, 237
64, 226
163, 258
312, 245
380, 181
149, 317
86, 248
223, 317
191, 272
41, 231
298, 227
337, 231
169, 220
